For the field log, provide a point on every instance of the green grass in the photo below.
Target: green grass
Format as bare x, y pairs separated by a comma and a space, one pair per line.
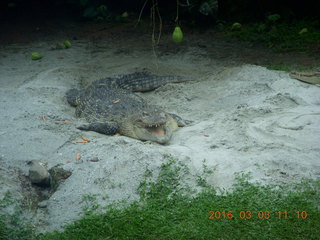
170, 210
14, 230
286, 68
281, 37
12, 226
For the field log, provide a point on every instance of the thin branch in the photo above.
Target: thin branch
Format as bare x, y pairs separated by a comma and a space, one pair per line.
187, 4
177, 17
160, 23
153, 20
139, 18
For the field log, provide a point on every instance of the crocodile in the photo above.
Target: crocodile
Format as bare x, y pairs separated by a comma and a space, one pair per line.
110, 105
312, 77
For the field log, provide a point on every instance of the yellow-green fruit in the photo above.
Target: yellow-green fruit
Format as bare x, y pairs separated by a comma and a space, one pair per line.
303, 30
125, 15
177, 35
36, 56
67, 44
236, 26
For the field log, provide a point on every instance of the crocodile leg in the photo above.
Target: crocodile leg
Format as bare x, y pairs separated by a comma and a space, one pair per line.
181, 122
108, 128
312, 77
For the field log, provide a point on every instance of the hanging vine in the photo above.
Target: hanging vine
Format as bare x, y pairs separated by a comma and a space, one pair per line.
177, 17
155, 17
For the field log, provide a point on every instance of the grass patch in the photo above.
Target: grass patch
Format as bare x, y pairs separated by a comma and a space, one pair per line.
12, 227
167, 210
286, 68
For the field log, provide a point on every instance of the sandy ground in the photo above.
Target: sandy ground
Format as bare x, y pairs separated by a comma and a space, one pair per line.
245, 118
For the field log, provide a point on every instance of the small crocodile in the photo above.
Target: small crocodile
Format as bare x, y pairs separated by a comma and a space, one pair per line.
312, 77
111, 106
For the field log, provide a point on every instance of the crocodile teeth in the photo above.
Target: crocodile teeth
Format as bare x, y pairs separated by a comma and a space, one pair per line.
156, 125
157, 130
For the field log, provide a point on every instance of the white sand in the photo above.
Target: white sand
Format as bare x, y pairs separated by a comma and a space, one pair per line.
245, 118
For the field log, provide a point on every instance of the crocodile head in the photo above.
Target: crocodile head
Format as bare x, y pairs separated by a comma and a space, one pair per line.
150, 125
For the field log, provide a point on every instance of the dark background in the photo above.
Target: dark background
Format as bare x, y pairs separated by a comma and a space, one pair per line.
228, 10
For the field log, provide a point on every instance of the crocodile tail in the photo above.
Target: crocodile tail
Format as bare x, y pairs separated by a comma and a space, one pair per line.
146, 81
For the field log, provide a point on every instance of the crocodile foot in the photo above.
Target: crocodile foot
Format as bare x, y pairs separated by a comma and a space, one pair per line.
312, 77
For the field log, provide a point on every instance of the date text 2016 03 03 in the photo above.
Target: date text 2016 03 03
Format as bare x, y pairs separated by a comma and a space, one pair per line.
257, 215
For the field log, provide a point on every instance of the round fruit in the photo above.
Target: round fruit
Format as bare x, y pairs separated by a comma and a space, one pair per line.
177, 35
67, 44
36, 56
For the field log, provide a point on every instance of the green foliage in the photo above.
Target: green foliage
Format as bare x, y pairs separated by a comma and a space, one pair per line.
12, 227
97, 10
286, 68
167, 211
279, 36
273, 18
204, 7
207, 7
93, 9
200, 13
166, 185
206, 172
90, 203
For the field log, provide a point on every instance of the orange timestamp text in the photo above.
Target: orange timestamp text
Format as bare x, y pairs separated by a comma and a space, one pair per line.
257, 215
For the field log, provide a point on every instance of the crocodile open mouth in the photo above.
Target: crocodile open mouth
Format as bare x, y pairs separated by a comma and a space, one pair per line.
158, 130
